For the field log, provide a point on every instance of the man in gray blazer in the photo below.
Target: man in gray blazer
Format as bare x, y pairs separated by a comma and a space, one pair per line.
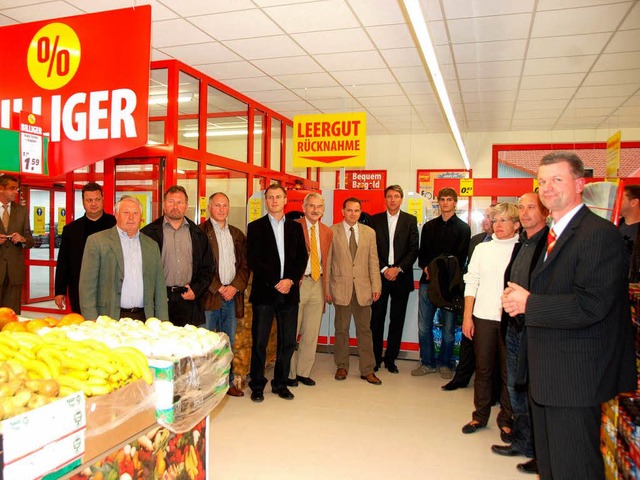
122, 273
353, 285
576, 312
15, 236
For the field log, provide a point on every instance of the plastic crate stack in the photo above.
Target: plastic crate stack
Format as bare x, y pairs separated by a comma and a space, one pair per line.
620, 433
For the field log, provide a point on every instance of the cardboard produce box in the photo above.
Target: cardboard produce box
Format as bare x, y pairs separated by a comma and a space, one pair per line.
44, 440
118, 416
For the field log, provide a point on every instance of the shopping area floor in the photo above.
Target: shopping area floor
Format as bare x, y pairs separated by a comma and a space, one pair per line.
406, 428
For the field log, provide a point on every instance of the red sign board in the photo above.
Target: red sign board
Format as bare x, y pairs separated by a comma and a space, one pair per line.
87, 77
363, 179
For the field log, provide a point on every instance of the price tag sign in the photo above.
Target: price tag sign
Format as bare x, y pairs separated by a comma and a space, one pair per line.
255, 209
466, 187
203, 206
31, 144
536, 187
414, 207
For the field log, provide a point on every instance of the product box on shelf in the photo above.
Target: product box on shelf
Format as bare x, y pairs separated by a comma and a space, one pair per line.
187, 389
44, 440
118, 416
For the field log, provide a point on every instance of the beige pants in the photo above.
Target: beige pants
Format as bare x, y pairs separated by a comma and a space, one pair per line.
362, 319
309, 319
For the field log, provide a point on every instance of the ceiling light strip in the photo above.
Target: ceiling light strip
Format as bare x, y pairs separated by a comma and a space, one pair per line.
419, 26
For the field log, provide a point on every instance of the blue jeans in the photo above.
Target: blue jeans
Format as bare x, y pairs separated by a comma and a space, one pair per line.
522, 435
426, 313
224, 320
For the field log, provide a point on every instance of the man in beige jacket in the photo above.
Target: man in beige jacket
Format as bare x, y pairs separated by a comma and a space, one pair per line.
354, 284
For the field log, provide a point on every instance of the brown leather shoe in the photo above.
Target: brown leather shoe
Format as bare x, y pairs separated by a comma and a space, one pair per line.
235, 391
371, 378
341, 374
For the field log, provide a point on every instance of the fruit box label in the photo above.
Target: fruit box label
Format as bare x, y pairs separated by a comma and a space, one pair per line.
24, 433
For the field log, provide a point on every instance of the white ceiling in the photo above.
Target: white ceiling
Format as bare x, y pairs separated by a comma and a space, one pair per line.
508, 64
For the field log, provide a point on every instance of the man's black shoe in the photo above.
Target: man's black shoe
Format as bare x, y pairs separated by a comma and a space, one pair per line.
292, 382
257, 396
505, 450
452, 385
284, 393
391, 366
308, 381
529, 467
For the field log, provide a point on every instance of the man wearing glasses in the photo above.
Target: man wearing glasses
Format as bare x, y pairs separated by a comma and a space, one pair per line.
15, 236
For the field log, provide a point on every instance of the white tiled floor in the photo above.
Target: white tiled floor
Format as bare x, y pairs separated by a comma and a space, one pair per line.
407, 428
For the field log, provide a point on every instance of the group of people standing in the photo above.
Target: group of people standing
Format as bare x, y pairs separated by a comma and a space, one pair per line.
545, 308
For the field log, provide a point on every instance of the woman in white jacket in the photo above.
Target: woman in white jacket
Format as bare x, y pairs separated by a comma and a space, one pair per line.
484, 283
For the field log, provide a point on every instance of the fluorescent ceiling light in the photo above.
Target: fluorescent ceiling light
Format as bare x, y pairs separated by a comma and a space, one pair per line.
220, 133
419, 26
162, 99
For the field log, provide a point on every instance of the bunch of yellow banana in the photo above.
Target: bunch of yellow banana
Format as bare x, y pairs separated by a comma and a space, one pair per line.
86, 365
191, 462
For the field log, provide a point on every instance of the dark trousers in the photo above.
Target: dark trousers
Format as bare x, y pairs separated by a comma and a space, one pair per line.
467, 362
399, 297
287, 322
488, 342
185, 312
10, 295
567, 442
518, 394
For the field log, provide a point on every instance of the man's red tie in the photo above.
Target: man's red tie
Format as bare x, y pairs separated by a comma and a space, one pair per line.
551, 241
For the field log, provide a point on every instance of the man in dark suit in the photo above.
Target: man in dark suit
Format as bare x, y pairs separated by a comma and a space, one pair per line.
277, 256
186, 258
580, 344
15, 236
467, 361
74, 239
397, 242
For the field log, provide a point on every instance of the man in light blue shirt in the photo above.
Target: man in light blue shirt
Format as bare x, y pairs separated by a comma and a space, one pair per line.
122, 273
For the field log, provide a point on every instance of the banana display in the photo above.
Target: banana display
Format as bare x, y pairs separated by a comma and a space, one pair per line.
88, 365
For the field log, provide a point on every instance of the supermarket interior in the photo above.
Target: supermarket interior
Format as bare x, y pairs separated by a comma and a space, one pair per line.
122, 121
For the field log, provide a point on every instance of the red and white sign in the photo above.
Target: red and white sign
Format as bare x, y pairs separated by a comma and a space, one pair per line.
87, 77
31, 144
363, 179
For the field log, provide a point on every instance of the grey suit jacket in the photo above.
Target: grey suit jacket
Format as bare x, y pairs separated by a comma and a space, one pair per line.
361, 273
12, 255
578, 323
102, 274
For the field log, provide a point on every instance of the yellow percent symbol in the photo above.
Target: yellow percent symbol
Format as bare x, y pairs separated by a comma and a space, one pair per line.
53, 56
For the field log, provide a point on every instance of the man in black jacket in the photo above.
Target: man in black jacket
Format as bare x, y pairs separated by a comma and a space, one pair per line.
397, 242
186, 257
277, 256
526, 253
579, 334
74, 238
445, 234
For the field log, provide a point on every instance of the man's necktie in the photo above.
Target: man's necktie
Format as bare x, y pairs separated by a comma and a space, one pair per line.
353, 246
551, 241
315, 257
5, 218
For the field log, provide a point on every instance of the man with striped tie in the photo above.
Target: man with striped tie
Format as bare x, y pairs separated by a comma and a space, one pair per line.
312, 289
576, 312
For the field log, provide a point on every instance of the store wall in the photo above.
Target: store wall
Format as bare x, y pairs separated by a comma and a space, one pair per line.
403, 155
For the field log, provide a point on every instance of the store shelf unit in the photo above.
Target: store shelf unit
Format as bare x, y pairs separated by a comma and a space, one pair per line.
620, 433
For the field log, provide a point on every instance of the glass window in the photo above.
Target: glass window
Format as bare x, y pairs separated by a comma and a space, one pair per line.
276, 127
188, 178
158, 92
259, 156
300, 172
234, 185
227, 128
156, 133
188, 110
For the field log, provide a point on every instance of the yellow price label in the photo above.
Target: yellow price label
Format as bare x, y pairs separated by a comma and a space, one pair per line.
536, 187
203, 206
53, 56
466, 187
